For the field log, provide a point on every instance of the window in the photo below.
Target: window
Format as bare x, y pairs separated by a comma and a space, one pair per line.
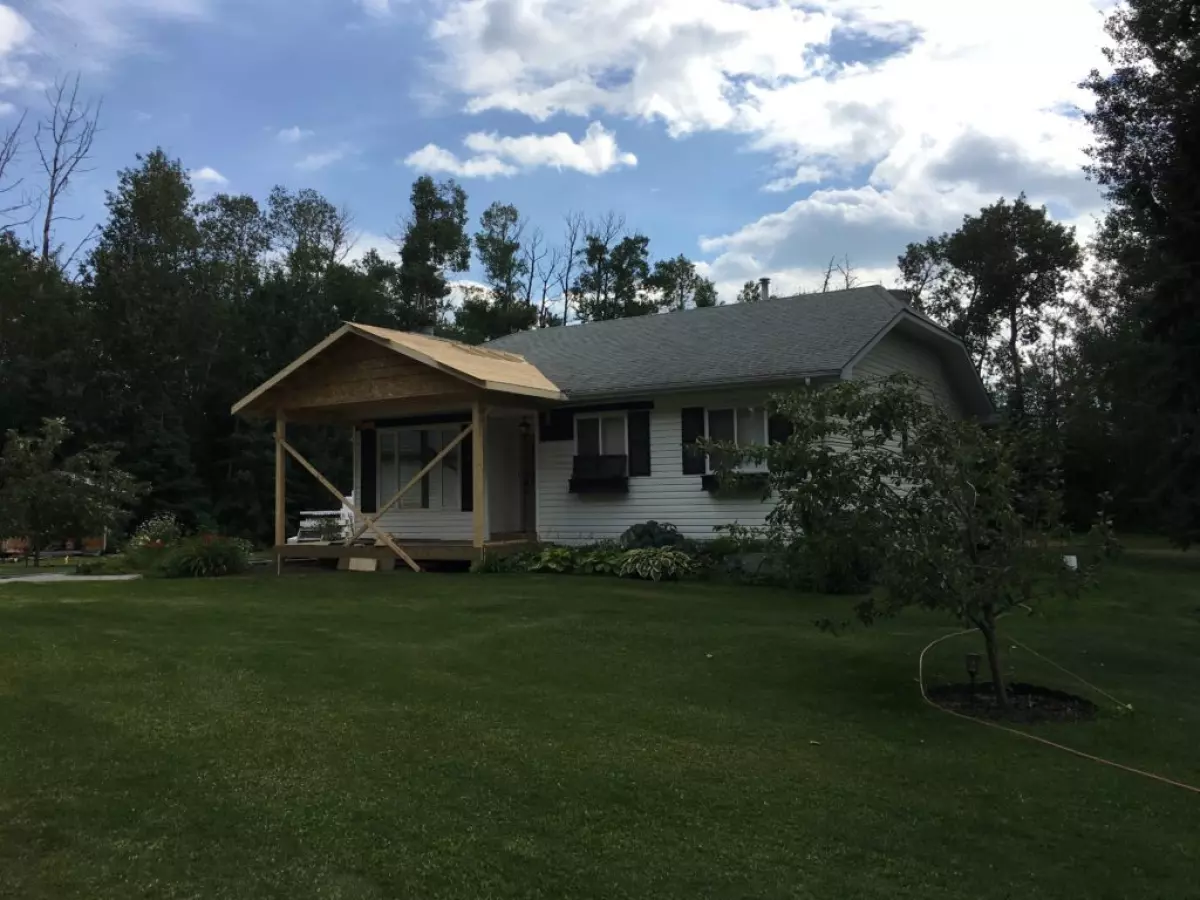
601, 435
742, 426
406, 451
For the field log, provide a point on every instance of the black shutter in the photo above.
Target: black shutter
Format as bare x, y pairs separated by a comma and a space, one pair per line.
692, 423
779, 429
368, 476
639, 442
467, 475
557, 425
425, 456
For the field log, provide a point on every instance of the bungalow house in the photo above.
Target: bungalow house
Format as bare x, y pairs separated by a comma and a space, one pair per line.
573, 434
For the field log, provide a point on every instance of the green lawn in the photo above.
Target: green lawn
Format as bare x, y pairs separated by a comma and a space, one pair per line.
434, 736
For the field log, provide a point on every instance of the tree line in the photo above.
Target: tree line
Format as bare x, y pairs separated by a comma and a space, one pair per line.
143, 339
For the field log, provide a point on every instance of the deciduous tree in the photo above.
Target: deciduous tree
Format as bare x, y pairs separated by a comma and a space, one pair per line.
1147, 160
993, 282
48, 495
927, 507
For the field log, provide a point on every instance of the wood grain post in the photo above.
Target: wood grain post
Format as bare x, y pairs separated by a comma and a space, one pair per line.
280, 489
479, 487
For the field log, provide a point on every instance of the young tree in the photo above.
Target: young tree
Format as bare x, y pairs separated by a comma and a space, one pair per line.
993, 280
680, 286
64, 143
48, 496
504, 309
435, 242
574, 228
1147, 160
749, 293
594, 287
930, 505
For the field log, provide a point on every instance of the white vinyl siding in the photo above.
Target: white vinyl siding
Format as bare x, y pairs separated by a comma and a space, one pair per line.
666, 495
901, 353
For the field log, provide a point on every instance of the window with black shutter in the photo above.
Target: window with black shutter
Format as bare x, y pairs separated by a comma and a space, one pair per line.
368, 484
639, 443
693, 429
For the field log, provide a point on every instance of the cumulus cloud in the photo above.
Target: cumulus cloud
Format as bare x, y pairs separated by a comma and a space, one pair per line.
919, 110
378, 8
207, 175
293, 135
596, 153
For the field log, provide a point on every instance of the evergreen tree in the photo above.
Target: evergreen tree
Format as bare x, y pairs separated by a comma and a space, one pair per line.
435, 242
1147, 159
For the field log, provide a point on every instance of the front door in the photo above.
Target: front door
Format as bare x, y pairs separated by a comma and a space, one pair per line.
527, 467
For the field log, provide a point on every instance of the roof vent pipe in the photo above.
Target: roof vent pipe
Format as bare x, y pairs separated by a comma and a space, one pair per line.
764, 289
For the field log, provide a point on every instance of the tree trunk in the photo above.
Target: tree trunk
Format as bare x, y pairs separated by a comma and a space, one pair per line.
988, 629
1018, 376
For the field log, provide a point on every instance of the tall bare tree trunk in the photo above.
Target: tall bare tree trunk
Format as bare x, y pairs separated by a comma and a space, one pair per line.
64, 141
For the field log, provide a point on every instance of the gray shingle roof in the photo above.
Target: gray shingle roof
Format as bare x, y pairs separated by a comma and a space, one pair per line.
789, 337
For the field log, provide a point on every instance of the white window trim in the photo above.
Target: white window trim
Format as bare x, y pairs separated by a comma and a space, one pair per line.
380, 499
744, 467
615, 414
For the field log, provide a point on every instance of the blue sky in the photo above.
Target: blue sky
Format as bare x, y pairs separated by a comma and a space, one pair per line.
757, 137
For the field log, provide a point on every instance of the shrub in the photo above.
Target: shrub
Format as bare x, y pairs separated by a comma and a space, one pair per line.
646, 535
655, 564
107, 565
552, 559
205, 556
157, 532
597, 561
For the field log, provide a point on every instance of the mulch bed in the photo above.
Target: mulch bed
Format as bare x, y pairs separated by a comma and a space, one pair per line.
1031, 703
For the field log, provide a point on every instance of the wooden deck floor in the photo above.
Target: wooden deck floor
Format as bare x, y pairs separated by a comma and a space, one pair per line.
420, 550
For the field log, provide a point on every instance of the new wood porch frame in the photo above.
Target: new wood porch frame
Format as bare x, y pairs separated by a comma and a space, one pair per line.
361, 373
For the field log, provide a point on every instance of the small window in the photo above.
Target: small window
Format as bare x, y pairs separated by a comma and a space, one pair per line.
743, 426
602, 435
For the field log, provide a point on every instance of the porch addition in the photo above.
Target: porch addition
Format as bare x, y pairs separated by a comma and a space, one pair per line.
374, 379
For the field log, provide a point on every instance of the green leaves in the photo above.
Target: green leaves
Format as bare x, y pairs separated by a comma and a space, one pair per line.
47, 495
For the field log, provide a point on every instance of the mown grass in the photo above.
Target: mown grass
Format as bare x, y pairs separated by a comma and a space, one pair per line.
346, 736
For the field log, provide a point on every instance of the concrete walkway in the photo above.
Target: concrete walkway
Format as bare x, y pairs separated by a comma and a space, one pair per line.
53, 579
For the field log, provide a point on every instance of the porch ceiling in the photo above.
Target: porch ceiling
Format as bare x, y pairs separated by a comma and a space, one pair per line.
361, 371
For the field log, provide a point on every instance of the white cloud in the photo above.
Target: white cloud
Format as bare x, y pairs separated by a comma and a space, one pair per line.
15, 30
596, 153
89, 33
207, 175
293, 135
378, 8
322, 159
369, 240
922, 110
432, 158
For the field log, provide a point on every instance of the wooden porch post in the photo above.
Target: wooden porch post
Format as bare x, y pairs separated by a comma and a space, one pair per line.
280, 488
479, 488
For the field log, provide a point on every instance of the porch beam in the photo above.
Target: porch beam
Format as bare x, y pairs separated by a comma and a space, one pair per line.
383, 535
479, 488
416, 479
280, 486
